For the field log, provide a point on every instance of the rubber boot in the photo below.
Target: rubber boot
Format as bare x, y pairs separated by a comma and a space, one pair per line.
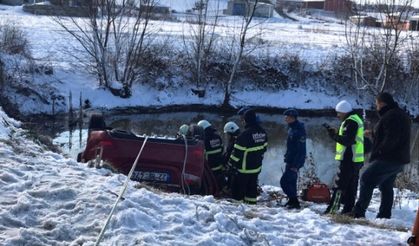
293, 203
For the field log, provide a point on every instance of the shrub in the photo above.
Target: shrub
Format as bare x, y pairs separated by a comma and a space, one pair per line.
13, 40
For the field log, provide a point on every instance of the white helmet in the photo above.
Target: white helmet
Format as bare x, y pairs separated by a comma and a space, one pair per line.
343, 107
231, 127
183, 129
204, 124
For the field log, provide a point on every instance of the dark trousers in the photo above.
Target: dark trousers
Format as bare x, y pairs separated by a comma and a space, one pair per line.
220, 177
244, 187
347, 185
289, 183
381, 174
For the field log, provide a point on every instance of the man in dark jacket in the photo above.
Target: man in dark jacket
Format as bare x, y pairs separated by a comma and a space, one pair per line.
294, 157
213, 151
247, 159
390, 152
350, 152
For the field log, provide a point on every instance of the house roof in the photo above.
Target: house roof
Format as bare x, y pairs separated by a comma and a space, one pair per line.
304, 1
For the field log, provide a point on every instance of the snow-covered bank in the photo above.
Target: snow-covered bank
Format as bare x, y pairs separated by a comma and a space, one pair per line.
317, 43
48, 199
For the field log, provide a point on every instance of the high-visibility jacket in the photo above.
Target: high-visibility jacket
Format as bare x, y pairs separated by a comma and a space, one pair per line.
248, 151
213, 149
358, 147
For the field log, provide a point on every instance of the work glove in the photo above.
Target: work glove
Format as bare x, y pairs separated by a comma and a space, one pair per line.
332, 132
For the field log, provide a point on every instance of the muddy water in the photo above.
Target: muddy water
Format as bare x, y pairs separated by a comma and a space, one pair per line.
320, 148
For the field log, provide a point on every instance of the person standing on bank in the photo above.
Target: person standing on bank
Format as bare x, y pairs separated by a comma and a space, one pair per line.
294, 157
390, 152
247, 157
350, 152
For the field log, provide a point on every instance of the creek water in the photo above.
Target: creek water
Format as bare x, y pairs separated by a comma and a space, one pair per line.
320, 148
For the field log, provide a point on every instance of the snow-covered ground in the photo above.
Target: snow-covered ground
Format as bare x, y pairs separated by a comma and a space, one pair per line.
48, 199
314, 41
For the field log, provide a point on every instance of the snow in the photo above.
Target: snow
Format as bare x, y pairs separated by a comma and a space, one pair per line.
313, 40
46, 41
48, 199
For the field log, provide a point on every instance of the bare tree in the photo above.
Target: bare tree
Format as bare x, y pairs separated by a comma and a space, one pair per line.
114, 37
381, 44
200, 45
247, 19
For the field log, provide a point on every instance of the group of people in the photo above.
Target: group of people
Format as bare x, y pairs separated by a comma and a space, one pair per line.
238, 166
390, 151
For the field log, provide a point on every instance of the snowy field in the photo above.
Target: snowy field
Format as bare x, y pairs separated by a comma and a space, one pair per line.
314, 40
48, 199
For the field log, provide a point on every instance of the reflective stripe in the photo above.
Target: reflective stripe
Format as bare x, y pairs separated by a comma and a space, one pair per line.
251, 171
240, 147
217, 168
211, 152
358, 147
214, 151
234, 158
250, 199
257, 148
244, 161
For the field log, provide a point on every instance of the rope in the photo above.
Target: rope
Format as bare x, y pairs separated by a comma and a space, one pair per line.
102, 232
184, 166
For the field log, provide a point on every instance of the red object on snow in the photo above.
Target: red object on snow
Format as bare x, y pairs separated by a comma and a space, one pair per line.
414, 240
317, 192
161, 162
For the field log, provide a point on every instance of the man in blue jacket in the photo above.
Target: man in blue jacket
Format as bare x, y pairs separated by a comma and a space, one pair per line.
294, 157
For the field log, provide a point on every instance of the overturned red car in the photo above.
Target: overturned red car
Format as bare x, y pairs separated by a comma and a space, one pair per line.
175, 164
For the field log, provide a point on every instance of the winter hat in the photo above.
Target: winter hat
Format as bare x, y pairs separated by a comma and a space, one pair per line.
291, 112
343, 107
385, 98
250, 117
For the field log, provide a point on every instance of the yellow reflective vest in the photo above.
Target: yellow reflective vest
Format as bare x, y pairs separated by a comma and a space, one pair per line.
358, 147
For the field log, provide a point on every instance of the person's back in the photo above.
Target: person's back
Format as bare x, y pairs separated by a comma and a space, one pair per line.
390, 152
391, 136
247, 159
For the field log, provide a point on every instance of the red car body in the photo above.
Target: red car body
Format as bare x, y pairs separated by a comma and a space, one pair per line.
161, 162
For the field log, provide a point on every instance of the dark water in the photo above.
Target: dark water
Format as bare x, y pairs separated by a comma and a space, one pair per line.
320, 147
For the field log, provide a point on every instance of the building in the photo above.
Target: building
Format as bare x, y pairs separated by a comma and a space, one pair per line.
338, 6
306, 4
364, 20
13, 2
414, 23
397, 21
264, 9
77, 8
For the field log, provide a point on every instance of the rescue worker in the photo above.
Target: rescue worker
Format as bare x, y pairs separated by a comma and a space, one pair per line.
213, 151
232, 130
390, 152
294, 157
350, 152
184, 131
247, 157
